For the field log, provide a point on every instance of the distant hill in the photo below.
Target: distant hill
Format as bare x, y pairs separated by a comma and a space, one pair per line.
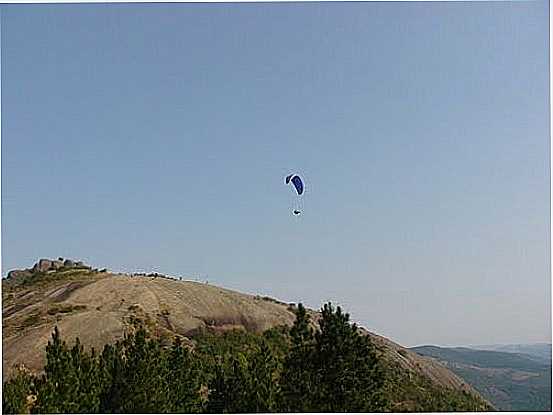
100, 306
510, 381
540, 351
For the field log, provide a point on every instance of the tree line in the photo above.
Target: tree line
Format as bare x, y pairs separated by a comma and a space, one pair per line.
333, 368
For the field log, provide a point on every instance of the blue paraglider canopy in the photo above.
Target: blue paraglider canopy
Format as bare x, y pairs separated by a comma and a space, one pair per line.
296, 181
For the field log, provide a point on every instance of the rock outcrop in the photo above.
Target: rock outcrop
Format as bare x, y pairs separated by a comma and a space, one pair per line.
44, 265
19, 273
57, 264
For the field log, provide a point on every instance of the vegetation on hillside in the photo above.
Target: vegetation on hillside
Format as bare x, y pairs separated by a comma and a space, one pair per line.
30, 287
44, 279
333, 368
510, 381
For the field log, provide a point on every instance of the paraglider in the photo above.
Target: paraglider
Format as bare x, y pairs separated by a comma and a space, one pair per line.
299, 187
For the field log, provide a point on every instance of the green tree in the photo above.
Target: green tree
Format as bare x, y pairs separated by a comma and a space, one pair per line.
348, 374
146, 388
56, 390
262, 389
333, 368
71, 382
227, 385
15, 393
278, 339
297, 380
87, 374
185, 380
112, 375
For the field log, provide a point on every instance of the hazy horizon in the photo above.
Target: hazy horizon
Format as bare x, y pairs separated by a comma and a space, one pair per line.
156, 137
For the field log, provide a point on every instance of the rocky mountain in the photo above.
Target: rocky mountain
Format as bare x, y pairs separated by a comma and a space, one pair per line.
99, 306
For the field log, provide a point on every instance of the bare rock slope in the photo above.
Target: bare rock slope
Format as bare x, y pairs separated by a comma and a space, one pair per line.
98, 309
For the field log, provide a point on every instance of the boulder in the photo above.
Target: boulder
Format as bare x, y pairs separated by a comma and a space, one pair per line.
57, 264
42, 265
68, 263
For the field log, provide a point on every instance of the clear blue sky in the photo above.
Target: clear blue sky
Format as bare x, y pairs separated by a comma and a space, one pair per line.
157, 137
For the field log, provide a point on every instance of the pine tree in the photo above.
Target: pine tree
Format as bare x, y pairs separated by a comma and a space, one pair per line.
185, 380
298, 377
88, 379
112, 378
278, 339
262, 387
71, 382
226, 391
146, 387
348, 374
56, 390
16, 393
